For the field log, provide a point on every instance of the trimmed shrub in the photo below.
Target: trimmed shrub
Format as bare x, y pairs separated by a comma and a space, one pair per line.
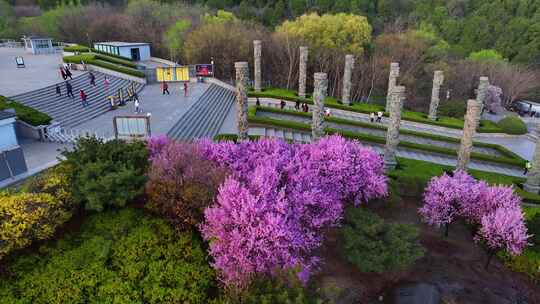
106, 62
76, 49
512, 125
106, 174
182, 183
28, 217
123, 62
24, 113
375, 246
284, 289
54, 181
117, 257
453, 108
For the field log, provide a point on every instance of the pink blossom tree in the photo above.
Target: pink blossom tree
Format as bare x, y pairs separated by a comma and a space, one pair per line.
272, 210
505, 229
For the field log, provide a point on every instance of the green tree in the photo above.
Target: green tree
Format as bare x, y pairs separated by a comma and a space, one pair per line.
174, 37
375, 246
220, 18
486, 55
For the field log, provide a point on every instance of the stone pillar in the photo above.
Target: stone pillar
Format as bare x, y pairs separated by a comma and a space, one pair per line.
242, 80
347, 75
481, 95
438, 79
533, 177
257, 54
469, 129
395, 105
319, 94
302, 73
392, 81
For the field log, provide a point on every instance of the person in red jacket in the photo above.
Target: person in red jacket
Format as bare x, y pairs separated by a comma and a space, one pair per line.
84, 98
165, 88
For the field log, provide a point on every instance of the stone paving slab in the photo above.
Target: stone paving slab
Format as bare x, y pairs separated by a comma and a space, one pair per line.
165, 110
40, 71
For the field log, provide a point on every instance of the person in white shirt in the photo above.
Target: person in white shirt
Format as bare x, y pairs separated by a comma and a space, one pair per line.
379, 116
372, 117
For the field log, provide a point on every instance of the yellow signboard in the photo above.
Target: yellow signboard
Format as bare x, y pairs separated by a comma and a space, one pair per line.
172, 74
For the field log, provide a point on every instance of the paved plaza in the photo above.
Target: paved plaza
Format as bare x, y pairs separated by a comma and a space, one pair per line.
165, 110
40, 71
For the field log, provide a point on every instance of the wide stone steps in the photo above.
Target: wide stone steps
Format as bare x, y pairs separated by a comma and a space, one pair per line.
206, 116
69, 112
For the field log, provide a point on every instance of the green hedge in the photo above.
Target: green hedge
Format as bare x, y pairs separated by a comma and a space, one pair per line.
505, 152
365, 108
381, 140
24, 113
512, 125
84, 49
97, 60
123, 62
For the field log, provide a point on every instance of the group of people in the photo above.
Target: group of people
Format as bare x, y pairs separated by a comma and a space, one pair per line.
165, 88
376, 117
65, 73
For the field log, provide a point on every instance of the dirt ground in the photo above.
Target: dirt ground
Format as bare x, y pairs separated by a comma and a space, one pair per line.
455, 265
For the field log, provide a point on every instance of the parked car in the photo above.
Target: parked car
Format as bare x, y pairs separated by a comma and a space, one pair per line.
526, 107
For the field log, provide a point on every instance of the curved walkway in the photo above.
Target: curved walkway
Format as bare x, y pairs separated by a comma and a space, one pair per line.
523, 145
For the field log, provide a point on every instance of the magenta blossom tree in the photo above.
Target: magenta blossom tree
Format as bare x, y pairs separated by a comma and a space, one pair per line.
488, 200
271, 212
445, 197
503, 229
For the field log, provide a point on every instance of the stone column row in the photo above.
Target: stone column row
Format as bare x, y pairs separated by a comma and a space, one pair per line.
320, 89
257, 56
392, 81
395, 106
242, 82
438, 79
347, 80
469, 129
302, 73
481, 95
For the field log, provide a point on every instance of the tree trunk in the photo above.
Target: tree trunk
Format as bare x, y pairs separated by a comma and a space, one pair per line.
446, 226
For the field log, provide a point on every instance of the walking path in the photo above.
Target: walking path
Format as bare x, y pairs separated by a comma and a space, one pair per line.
522, 145
299, 136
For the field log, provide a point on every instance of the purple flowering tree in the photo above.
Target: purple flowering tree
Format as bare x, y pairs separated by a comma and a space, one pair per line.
271, 212
503, 229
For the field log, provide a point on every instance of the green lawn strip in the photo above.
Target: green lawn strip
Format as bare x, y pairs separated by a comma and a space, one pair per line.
24, 113
449, 122
380, 140
83, 49
104, 62
507, 153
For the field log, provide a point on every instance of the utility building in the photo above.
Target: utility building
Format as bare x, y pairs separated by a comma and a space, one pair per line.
130, 50
38, 45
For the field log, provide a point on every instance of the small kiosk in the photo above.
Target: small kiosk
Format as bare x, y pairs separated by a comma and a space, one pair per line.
38, 45
131, 50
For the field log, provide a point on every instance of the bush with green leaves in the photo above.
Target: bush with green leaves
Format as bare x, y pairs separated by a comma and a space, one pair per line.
375, 246
512, 125
453, 108
107, 174
117, 257
24, 113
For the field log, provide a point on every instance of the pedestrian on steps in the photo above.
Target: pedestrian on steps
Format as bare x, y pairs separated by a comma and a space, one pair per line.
137, 104
68, 73
282, 104
69, 90
297, 105
185, 89
165, 88
106, 83
58, 91
92, 79
257, 102
63, 73
83, 98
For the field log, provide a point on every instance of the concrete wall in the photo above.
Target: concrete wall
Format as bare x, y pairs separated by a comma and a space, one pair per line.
8, 137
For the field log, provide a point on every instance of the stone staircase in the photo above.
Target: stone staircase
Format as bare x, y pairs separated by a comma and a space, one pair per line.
206, 116
68, 112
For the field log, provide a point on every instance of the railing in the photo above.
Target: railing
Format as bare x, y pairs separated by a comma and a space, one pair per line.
70, 136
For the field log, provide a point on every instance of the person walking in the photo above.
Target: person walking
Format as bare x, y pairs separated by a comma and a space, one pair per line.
165, 88
92, 79
68, 73
185, 89
282, 104
63, 73
136, 103
257, 102
106, 83
305, 107
372, 117
58, 91
528, 167
297, 105
83, 98
69, 90
379, 116
327, 112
